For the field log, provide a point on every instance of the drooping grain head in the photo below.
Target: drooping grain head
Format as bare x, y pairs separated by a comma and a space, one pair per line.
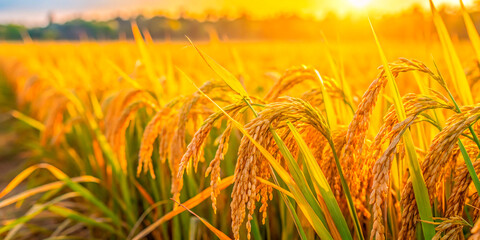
391, 131
433, 166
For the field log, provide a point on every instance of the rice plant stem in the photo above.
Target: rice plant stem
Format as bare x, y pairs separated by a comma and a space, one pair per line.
286, 200
353, 211
251, 107
474, 135
470, 167
290, 207
444, 85
468, 161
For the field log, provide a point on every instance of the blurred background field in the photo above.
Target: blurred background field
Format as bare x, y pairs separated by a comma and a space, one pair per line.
256, 59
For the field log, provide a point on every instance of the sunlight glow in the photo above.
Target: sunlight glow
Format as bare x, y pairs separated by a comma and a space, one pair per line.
359, 3
453, 2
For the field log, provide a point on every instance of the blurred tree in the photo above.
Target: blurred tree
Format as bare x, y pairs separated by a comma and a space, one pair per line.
414, 24
12, 32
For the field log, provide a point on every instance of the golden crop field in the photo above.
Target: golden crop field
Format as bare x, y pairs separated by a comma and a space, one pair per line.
374, 139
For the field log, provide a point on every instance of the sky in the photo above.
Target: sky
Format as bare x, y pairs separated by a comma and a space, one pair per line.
35, 12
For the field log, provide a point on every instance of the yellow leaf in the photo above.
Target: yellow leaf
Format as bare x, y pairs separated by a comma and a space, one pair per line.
331, 116
191, 203
457, 74
223, 73
217, 232
471, 30
44, 188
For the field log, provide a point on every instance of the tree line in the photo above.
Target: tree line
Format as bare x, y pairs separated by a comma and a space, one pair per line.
414, 23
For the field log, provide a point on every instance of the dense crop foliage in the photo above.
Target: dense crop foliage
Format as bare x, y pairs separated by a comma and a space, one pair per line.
162, 141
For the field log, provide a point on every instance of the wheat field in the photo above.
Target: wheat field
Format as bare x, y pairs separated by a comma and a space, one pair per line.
243, 140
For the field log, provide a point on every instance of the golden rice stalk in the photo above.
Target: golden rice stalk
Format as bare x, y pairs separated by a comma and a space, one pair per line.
32, 88
433, 166
475, 202
297, 75
357, 130
187, 112
317, 143
167, 132
214, 167
380, 186
41, 106
358, 127
244, 192
178, 141
54, 120
112, 109
463, 180
448, 229
195, 147
315, 96
118, 139
149, 136
120, 111
391, 131
119, 103
251, 163
414, 105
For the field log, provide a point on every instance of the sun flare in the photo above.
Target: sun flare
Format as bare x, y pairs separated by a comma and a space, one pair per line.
359, 3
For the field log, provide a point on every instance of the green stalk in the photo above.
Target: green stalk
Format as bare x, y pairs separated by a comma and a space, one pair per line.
324, 187
466, 158
302, 185
289, 203
420, 189
68, 213
470, 167
474, 135
115, 168
255, 229
285, 199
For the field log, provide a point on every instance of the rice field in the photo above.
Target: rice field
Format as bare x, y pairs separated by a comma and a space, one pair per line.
241, 140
